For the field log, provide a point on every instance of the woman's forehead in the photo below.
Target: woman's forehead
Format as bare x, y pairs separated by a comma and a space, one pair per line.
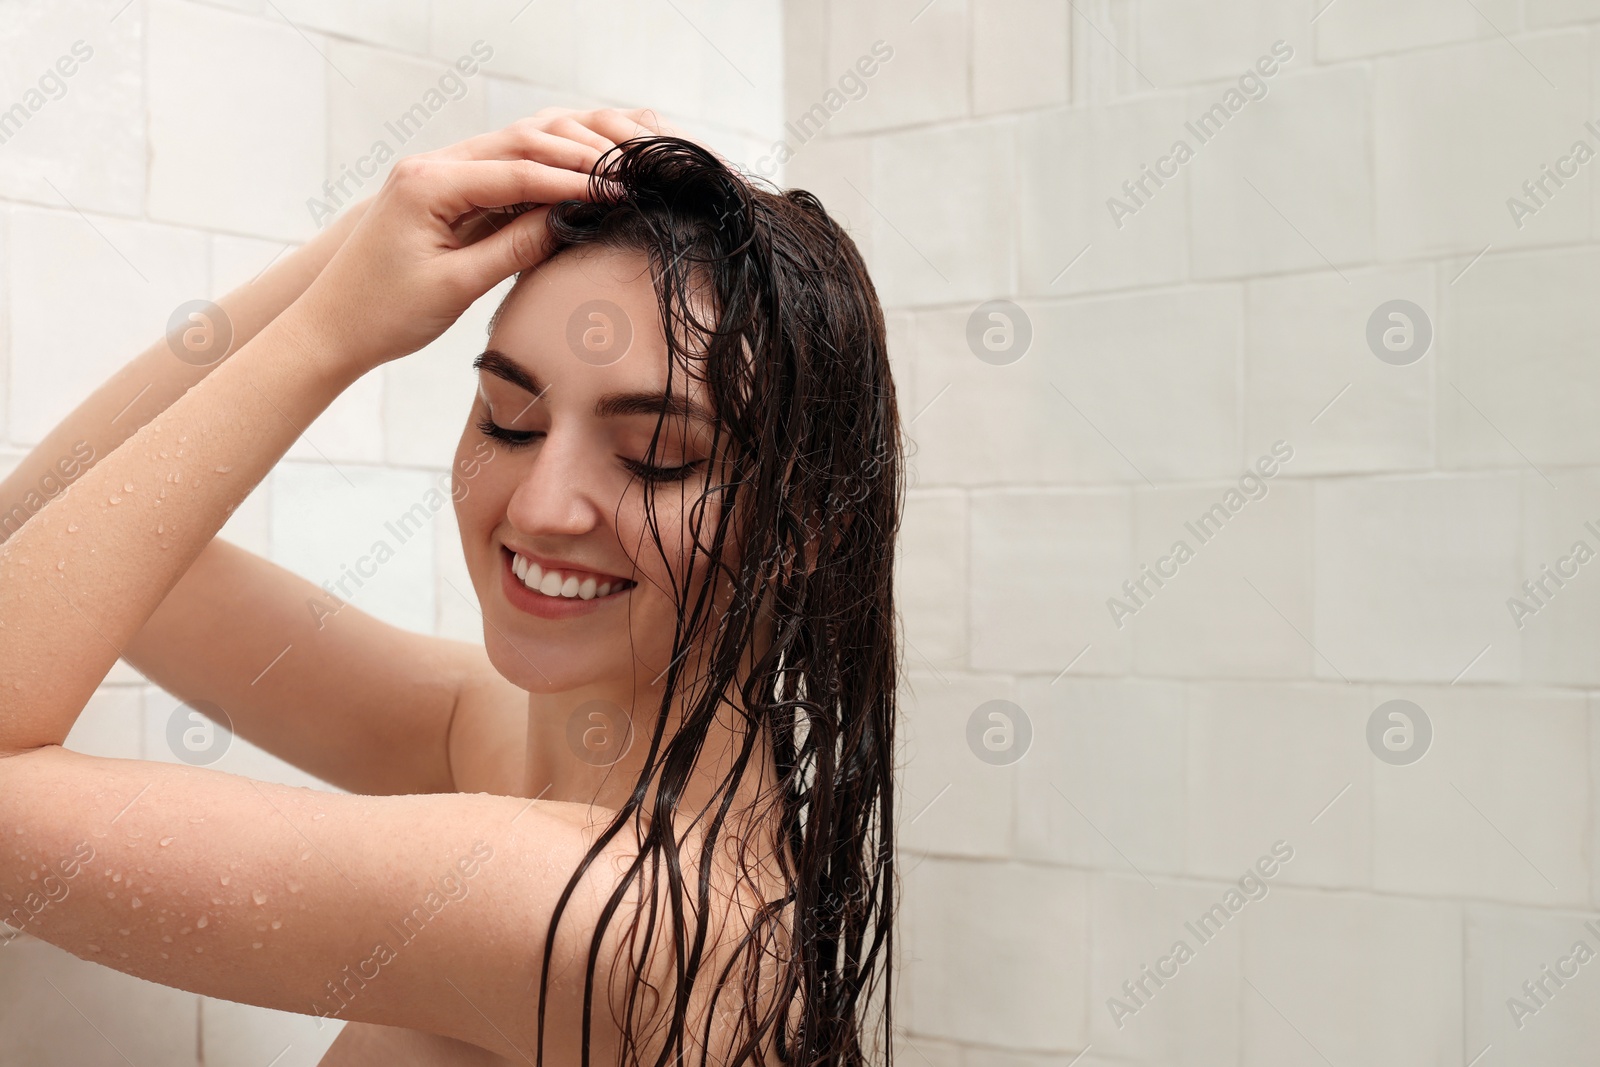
589, 318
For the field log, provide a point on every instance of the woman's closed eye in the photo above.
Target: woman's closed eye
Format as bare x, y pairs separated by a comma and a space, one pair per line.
516, 439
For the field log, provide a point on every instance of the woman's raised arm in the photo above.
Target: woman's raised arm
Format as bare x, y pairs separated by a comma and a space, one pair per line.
359, 703
156, 377
178, 873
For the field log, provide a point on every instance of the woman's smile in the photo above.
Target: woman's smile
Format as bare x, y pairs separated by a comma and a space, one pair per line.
577, 593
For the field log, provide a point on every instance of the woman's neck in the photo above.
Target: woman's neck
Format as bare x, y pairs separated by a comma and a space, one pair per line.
589, 746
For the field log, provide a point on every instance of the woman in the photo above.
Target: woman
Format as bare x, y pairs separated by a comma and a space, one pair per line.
650, 820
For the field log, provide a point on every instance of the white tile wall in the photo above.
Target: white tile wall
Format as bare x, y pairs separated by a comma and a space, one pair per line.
1372, 27
1271, 761
1352, 979
1020, 54
134, 1021
1073, 162
1506, 948
950, 239
1038, 586
1502, 410
1283, 185
987, 943
952, 804
1411, 576
1310, 379
924, 80
98, 105
237, 120
1460, 824
1457, 130
1192, 1016
1103, 784
1182, 43
135, 273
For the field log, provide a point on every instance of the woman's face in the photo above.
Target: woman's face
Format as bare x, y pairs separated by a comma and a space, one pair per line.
571, 385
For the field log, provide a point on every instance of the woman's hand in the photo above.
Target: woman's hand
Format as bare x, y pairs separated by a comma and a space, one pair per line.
442, 232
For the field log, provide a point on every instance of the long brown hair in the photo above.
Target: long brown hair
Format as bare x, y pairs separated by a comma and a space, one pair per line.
795, 363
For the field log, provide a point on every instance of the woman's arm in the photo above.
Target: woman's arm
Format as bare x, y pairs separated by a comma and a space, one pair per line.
178, 874
362, 704
146, 385
81, 577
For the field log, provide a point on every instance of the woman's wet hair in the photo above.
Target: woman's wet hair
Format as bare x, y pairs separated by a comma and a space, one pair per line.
765, 300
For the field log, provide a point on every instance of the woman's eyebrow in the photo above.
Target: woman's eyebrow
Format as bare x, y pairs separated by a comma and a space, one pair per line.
611, 405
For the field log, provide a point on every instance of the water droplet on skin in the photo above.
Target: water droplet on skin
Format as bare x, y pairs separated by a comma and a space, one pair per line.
197, 948
200, 923
160, 529
222, 470
259, 897
136, 903
61, 565
320, 815
255, 944
72, 527
294, 887
124, 933
124, 955
127, 487
165, 956
216, 900
225, 879
167, 938
305, 856
111, 896
276, 923
165, 841
114, 499
117, 877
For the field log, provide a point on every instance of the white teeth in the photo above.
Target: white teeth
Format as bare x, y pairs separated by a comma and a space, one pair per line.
555, 583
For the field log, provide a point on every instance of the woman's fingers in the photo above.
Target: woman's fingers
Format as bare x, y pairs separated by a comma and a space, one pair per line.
559, 138
515, 246
527, 141
571, 125
453, 188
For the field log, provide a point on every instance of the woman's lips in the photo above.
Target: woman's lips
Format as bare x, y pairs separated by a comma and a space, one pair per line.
550, 607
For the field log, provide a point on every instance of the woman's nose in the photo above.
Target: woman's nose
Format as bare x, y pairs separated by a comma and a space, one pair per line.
555, 495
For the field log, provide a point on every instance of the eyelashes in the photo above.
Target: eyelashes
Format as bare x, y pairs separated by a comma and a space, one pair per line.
518, 439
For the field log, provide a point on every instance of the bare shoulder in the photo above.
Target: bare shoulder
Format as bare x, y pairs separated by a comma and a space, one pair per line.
371, 1045
488, 729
